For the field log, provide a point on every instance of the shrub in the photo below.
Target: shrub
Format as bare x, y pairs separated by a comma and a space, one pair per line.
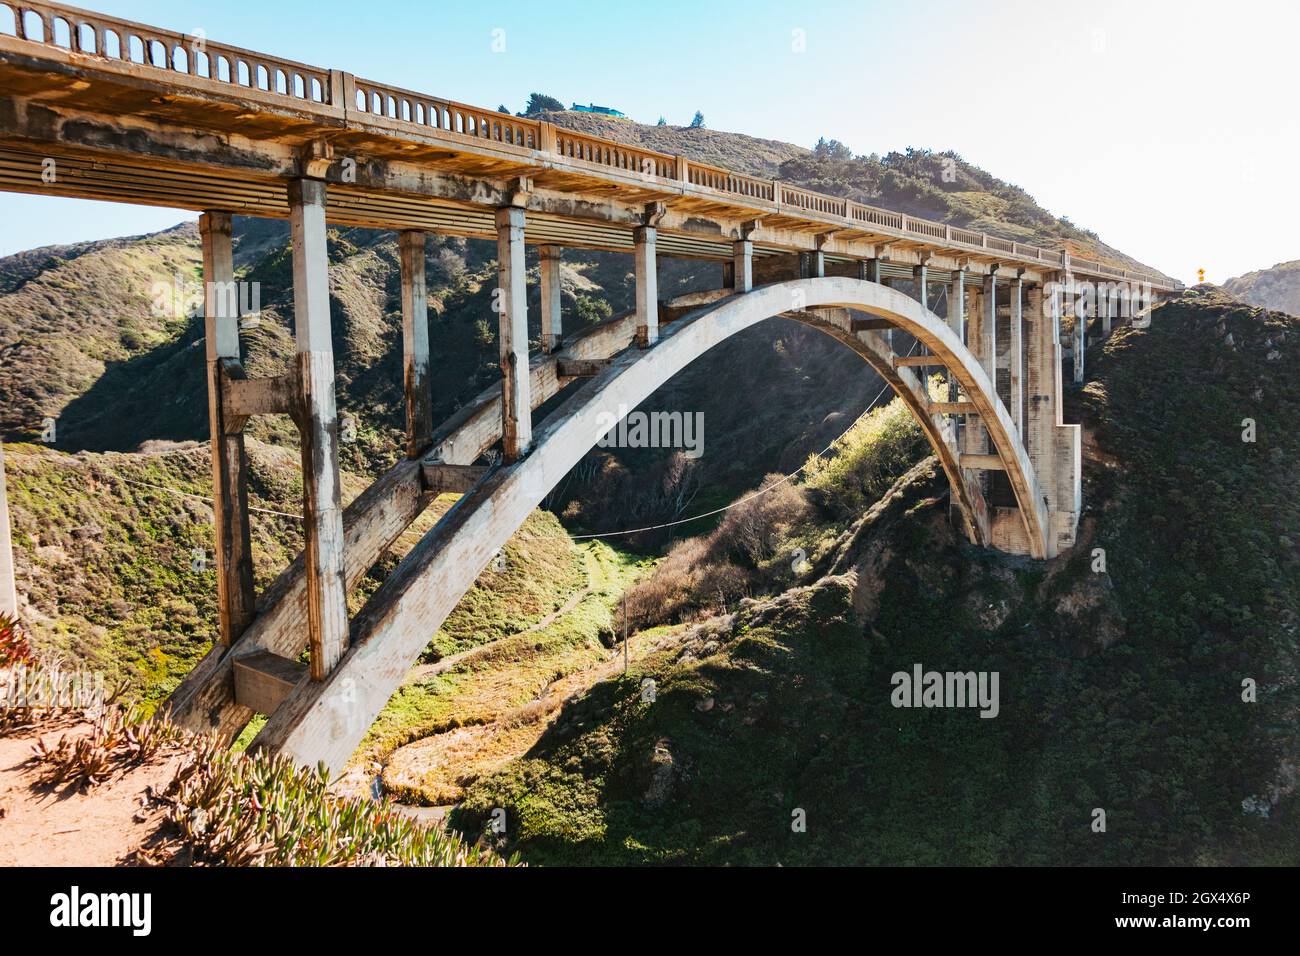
689, 583
236, 809
866, 460
14, 647
589, 310
118, 740
754, 524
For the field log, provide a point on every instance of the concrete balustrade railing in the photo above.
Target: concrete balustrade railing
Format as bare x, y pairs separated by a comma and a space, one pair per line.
95, 34
407, 108
723, 180
603, 152
210, 66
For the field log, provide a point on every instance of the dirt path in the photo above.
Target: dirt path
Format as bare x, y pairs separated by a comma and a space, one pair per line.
422, 672
442, 765
427, 776
40, 826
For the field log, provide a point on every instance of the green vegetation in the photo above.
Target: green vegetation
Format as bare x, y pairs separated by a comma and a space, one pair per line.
119, 569
233, 809
777, 534
869, 458
515, 669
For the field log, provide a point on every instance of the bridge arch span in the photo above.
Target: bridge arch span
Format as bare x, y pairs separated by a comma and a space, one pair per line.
325, 720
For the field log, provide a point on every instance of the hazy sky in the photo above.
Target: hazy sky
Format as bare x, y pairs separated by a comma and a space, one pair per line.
1169, 128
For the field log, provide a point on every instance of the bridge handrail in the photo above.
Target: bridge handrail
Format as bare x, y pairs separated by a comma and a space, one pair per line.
411, 109
97, 34
317, 89
572, 144
724, 180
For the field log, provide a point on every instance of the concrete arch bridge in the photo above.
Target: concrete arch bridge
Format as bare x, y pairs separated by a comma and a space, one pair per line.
97, 107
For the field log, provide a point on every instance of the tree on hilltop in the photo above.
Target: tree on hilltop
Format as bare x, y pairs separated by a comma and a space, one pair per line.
541, 103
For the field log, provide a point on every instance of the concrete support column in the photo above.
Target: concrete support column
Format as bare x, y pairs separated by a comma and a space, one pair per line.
742, 257
231, 537
8, 593
647, 287
921, 283
516, 407
317, 417
1105, 303
817, 261
327, 608
1080, 338
552, 325
415, 344
1054, 448
1016, 371
989, 328
956, 319
1043, 384
869, 270
974, 436
920, 279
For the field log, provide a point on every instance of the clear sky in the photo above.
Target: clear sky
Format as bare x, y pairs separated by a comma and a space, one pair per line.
1170, 128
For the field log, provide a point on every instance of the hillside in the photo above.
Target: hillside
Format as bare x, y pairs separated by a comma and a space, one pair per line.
937, 185
1121, 685
106, 545
1276, 288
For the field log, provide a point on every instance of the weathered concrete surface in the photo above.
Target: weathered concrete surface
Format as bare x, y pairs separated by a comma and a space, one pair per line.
318, 430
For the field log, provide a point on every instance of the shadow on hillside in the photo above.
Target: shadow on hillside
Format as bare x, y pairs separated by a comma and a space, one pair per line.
158, 395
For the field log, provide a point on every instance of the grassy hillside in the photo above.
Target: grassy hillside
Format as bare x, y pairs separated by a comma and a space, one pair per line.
1120, 689
105, 547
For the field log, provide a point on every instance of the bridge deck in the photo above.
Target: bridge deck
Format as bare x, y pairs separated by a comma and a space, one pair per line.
137, 114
